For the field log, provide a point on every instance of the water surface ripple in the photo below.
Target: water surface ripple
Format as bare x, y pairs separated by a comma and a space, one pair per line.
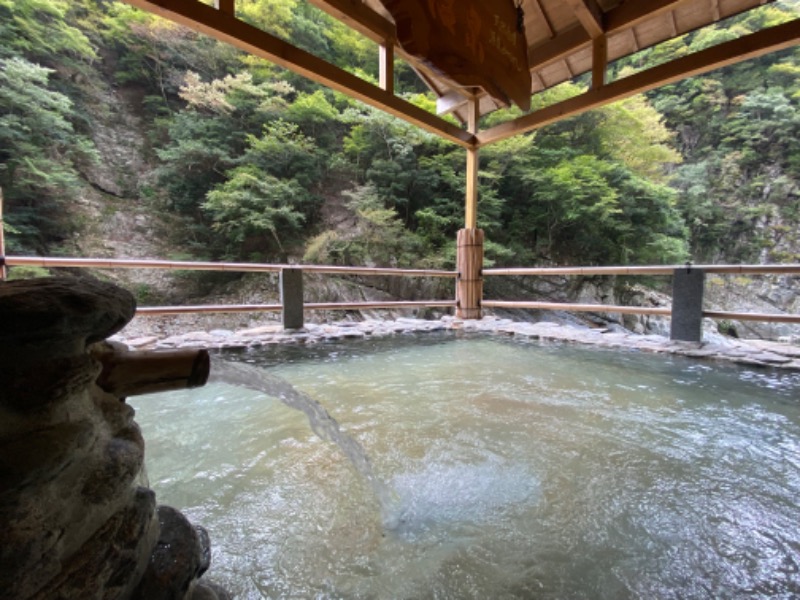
516, 470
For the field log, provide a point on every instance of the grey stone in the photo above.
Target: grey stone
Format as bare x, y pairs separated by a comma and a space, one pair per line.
59, 316
208, 590
75, 522
291, 285
180, 557
687, 304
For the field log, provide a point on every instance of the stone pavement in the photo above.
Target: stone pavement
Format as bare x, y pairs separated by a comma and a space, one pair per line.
759, 353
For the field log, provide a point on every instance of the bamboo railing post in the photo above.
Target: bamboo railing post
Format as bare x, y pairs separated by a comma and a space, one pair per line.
469, 263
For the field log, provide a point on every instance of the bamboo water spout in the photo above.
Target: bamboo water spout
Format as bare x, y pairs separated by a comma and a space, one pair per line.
133, 373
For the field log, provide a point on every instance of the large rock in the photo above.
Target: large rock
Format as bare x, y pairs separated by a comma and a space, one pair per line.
180, 557
76, 521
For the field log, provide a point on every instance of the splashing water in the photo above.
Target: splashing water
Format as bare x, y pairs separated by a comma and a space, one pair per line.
321, 422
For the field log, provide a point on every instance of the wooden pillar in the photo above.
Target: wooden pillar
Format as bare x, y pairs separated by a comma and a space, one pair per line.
471, 201
599, 61
469, 244
386, 67
225, 6
469, 264
2, 241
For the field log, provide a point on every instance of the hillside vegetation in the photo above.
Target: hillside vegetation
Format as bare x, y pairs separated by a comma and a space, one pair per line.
246, 161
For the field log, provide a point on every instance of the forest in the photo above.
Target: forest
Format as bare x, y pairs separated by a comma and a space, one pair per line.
248, 159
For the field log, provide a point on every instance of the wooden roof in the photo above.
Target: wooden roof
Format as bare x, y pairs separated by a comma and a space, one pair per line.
565, 39
568, 38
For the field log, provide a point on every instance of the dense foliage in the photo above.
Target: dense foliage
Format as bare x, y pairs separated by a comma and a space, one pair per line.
262, 164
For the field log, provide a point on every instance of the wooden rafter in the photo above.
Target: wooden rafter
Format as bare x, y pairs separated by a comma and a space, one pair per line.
628, 14
541, 17
635, 39
226, 28
728, 53
449, 102
356, 15
590, 15
559, 47
599, 61
715, 9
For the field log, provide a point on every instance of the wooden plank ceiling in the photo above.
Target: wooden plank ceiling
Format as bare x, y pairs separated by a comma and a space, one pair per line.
565, 39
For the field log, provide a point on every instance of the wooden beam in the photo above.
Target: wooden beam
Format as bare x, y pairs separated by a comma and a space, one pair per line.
629, 14
386, 68
590, 15
449, 102
356, 15
626, 15
541, 18
599, 61
207, 20
728, 53
471, 202
715, 9
226, 6
558, 48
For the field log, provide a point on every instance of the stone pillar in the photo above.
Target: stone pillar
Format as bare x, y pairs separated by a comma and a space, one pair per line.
469, 264
687, 305
76, 517
292, 298
75, 521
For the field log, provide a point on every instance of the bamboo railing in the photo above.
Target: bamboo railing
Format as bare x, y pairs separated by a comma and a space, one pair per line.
788, 269
658, 270
112, 263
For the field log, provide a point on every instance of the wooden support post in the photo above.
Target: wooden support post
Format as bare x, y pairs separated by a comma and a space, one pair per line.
686, 324
292, 298
386, 67
599, 61
225, 6
2, 241
469, 257
469, 264
471, 202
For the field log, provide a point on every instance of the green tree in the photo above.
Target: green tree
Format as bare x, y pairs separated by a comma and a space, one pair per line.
269, 193
377, 238
40, 31
39, 155
250, 204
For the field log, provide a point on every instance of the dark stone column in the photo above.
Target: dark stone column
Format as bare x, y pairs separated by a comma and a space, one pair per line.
292, 298
687, 305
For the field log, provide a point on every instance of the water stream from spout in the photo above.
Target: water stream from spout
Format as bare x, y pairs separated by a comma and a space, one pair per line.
321, 422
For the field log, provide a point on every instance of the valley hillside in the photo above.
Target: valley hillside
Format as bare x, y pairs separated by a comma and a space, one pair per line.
124, 135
